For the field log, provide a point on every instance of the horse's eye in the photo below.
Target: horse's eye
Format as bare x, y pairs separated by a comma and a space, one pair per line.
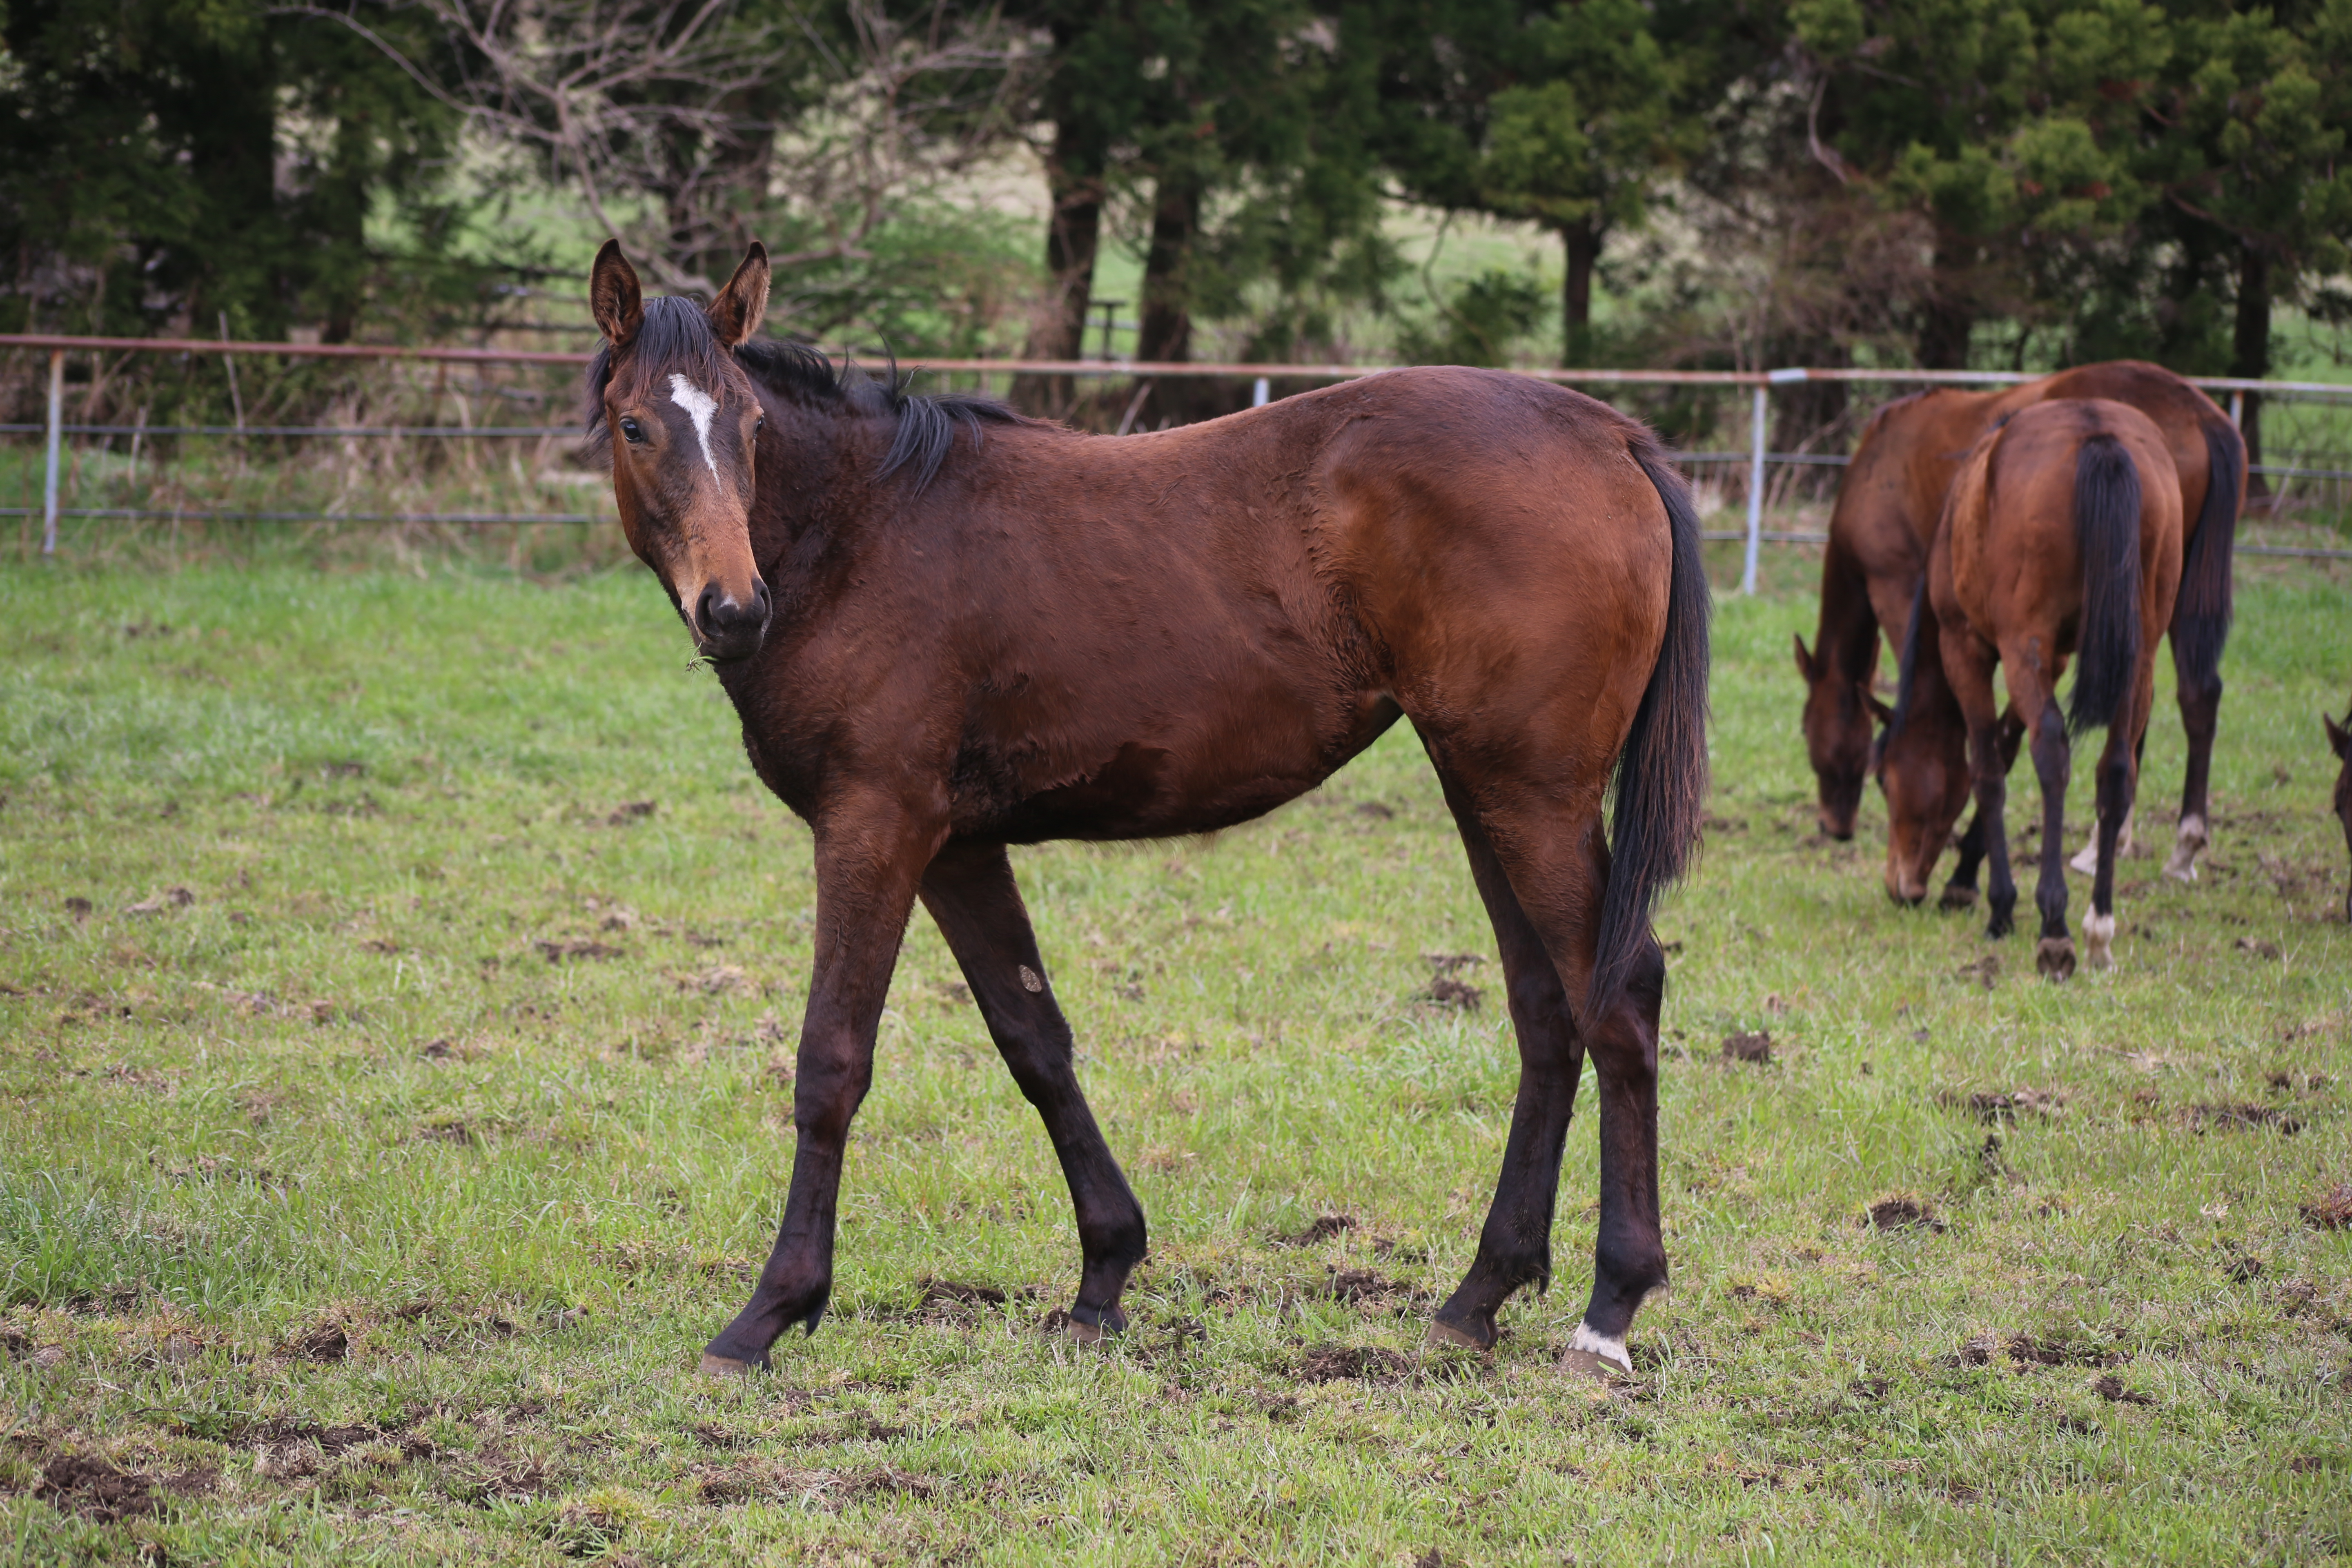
632, 431
758, 423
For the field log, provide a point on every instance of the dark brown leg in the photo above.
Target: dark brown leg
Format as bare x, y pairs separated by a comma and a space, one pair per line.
2200, 715
1515, 1244
1961, 892
866, 873
970, 892
1557, 866
2054, 955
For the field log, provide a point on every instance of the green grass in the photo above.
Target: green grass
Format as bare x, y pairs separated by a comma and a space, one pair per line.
343, 1101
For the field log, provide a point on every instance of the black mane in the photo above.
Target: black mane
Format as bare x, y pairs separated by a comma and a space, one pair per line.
677, 334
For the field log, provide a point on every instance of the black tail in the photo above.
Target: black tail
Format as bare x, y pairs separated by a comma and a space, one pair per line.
2201, 616
2107, 529
1662, 771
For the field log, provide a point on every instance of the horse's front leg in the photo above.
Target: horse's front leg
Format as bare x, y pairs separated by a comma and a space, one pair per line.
2054, 955
1961, 892
2200, 716
970, 892
869, 859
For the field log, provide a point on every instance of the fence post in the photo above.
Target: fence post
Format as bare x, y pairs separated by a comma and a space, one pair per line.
2238, 408
1755, 493
1258, 392
56, 430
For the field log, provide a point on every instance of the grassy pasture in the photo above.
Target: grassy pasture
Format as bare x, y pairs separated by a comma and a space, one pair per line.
371, 1197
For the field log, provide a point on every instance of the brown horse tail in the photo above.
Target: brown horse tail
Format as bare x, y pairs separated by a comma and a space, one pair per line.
2107, 529
1662, 771
2201, 619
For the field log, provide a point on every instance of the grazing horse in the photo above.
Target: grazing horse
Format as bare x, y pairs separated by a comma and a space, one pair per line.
2061, 537
1888, 508
947, 628
2339, 739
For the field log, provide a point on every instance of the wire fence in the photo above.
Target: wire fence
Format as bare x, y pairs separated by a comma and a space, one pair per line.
400, 399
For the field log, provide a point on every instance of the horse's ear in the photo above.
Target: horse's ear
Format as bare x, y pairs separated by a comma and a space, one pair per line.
618, 304
1878, 711
735, 314
2338, 736
1805, 664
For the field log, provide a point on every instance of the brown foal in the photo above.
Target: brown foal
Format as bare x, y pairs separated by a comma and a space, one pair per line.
2061, 538
948, 629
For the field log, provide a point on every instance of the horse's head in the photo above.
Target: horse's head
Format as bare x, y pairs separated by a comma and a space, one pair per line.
1923, 770
682, 420
2339, 737
1840, 721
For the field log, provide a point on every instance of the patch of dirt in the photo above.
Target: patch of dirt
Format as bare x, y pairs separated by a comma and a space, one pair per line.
2258, 947
1352, 1364
1991, 1106
568, 952
720, 981
722, 1485
953, 1302
1901, 1211
1985, 971
1374, 810
169, 899
2111, 1389
1452, 963
1742, 1046
1323, 1228
2330, 1208
2026, 1350
1447, 991
631, 811
81, 909
321, 1342
2242, 1117
1362, 1288
97, 1490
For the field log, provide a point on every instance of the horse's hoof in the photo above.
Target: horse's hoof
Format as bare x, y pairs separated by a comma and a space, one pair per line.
2099, 937
1083, 1333
1957, 897
2182, 866
727, 1366
1447, 1337
1596, 1356
2054, 957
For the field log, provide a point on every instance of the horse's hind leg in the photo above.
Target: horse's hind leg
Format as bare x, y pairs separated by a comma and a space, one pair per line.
1558, 867
970, 892
2200, 715
2053, 761
1515, 1244
2117, 782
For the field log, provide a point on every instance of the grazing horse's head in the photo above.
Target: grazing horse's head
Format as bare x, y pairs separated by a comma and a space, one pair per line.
1842, 718
682, 419
1921, 762
2339, 737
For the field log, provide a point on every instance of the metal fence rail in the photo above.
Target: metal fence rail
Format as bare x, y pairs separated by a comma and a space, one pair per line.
1754, 458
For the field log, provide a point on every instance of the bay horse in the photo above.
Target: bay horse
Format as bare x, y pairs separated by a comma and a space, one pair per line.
947, 628
2061, 537
2339, 740
1888, 506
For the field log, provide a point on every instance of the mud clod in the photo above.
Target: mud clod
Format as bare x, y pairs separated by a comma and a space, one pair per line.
2331, 1208
1323, 1228
630, 811
1352, 1364
96, 1490
2111, 1389
1742, 1046
1901, 1212
325, 1342
2232, 1117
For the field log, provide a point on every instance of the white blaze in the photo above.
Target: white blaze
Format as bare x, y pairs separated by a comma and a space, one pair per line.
699, 406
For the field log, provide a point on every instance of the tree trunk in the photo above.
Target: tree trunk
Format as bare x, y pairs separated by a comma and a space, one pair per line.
1582, 240
1949, 318
1166, 334
2249, 354
1073, 180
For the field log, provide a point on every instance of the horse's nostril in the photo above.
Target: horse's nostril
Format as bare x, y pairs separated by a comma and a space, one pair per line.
759, 602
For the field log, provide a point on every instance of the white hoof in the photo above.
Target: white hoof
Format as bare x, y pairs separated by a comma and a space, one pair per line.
2086, 859
1602, 1346
2099, 939
2182, 866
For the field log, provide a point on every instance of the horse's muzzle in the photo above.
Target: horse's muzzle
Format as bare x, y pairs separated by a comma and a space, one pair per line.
728, 625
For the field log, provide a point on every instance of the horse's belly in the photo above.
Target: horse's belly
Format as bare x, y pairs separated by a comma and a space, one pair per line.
1221, 769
